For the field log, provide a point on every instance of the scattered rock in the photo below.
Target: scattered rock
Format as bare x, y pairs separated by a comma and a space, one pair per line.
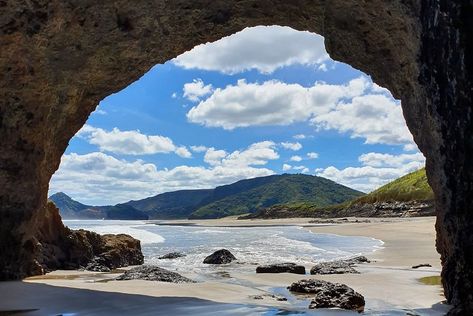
339, 266
422, 265
97, 265
276, 297
153, 273
221, 256
329, 294
172, 255
287, 267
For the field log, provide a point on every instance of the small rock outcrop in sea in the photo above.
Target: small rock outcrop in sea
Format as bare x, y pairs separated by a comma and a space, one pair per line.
153, 273
221, 256
328, 295
421, 265
339, 266
172, 255
287, 267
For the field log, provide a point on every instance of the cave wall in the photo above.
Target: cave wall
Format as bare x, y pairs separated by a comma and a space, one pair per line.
59, 58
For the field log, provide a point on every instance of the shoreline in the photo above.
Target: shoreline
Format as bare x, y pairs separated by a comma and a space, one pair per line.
388, 283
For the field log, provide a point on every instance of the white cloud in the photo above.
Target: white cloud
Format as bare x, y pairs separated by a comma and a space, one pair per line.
199, 149
174, 95
377, 170
299, 136
214, 157
130, 142
296, 158
353, 108
312, 155
292, 146
322, 67
264, 48
302, 169
196, 89
286, 167
111, 180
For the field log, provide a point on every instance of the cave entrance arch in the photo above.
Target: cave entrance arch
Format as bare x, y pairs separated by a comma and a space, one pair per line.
60, 58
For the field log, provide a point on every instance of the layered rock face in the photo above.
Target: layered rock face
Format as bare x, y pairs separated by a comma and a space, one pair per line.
60, 58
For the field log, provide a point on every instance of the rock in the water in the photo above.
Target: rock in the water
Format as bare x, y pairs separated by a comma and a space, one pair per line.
172, 255
339, 266
287, 267
153, 273
421, 265
328, 295
221, 256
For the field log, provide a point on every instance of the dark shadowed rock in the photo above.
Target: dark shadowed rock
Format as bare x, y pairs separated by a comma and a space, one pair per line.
172, 255
421, 265
286, 267
339, 266
328, 295
153, 273
221, 256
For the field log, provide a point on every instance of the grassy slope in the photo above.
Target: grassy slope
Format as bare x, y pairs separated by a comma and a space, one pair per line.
278, 190
413, 186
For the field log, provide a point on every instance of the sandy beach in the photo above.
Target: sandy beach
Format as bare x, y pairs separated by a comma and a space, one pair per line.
388, 283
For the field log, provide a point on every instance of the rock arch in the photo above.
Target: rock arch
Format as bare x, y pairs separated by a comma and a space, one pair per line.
58, 59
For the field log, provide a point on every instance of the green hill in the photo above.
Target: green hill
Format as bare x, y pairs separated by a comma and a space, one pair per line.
413, 186
410, 193
247, 196
71, 209
172, 205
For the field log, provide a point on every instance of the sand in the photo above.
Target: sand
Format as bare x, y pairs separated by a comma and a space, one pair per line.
388, 283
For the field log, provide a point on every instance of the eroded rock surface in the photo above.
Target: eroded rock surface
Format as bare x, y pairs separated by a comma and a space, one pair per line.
338, 266
328, 294
153, 273
221, 256
60, 58
172, 255
287, 267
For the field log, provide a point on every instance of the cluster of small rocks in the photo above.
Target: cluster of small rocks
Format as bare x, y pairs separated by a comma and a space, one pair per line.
339, 266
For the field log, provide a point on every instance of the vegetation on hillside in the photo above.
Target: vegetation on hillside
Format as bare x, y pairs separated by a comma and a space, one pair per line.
274, 190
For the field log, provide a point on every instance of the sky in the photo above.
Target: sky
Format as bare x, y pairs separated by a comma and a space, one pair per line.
267, 100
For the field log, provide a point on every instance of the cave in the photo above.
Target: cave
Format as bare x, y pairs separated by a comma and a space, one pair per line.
60, 58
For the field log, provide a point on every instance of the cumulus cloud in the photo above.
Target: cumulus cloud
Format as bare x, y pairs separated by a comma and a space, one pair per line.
355, 108
196, 89
198, 149
296, 158
264, 48
130, 142
214, 157
377, 169
286, 167
110, 180
302, 169
312, 155
291, 146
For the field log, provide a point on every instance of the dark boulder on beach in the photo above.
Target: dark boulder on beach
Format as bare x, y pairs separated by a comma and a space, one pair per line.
172, 255
329, 295
338, 266
286, 267
153, 273
221, 256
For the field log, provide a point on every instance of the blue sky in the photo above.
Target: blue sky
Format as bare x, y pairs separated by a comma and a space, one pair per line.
263, 101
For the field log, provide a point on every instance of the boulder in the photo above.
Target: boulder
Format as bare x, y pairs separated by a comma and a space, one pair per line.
422, 265
221, 256
339, 266
153, 273
286, 267
172, 255
329, 295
